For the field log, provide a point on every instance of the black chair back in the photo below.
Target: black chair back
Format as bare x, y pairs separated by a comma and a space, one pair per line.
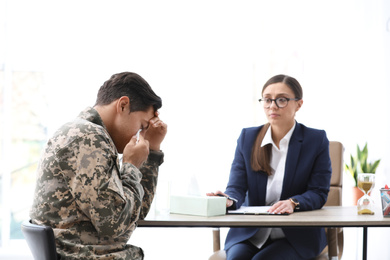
40, 240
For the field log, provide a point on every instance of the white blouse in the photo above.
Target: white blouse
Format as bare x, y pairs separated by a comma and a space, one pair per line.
274, 184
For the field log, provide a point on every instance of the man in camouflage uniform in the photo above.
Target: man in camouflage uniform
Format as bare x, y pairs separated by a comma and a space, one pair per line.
92, 202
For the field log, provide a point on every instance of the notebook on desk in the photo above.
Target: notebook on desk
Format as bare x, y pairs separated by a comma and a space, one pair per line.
254, 210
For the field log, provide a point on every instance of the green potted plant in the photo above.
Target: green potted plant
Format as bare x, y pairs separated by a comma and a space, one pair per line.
359, 164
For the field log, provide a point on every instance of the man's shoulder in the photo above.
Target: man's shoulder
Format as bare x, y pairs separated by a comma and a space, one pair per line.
79, 132
87, 122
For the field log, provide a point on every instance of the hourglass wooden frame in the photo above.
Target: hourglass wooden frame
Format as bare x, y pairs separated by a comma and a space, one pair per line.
366, 182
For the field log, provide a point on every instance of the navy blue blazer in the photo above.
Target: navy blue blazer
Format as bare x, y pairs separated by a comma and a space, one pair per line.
307, 178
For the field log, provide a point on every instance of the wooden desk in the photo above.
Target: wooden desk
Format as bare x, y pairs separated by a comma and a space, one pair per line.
336, 216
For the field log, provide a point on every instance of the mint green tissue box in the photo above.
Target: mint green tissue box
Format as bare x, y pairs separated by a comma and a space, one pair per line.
199, 206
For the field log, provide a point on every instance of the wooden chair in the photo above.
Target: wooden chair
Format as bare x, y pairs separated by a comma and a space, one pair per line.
335, 236
40, 240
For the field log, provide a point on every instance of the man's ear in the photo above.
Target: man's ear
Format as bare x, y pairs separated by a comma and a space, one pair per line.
123, 104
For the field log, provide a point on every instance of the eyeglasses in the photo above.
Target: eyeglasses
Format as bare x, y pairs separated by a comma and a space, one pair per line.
280, 102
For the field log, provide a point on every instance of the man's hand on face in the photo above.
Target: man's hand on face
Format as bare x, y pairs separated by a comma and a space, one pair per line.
136, 152
156, 132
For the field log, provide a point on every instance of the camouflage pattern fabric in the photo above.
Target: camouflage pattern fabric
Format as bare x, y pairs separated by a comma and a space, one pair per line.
92, 202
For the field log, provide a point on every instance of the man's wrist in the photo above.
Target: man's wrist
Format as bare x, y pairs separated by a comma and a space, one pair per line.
157, 156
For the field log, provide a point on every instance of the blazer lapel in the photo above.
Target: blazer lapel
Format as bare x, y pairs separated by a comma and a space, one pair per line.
292, 160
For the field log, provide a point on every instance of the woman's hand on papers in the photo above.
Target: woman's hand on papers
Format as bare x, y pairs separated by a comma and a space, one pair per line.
281, 207
219, 193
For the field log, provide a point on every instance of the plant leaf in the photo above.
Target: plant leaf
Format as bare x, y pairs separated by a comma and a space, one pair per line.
374, 166
359, 163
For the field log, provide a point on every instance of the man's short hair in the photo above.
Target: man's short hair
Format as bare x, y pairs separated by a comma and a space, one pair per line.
131, 85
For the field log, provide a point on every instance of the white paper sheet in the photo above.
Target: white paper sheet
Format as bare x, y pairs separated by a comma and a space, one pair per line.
253, 210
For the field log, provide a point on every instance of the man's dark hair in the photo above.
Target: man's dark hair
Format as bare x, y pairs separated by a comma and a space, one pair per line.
131, 85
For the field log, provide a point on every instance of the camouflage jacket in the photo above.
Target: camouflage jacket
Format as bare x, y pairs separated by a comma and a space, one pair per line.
92, 203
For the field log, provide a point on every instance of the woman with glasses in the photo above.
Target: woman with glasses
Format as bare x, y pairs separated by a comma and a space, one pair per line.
282, 164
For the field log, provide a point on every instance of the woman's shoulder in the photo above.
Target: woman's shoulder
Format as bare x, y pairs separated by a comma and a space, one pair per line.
251, 130
311, 136
311, 130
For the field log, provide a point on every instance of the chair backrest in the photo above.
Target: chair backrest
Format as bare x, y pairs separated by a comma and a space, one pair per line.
335, 236
336, 151
40, 240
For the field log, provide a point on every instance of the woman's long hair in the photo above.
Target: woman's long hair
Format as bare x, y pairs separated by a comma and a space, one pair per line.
261, 156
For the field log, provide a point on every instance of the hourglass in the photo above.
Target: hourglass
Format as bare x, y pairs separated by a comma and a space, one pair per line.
366, 182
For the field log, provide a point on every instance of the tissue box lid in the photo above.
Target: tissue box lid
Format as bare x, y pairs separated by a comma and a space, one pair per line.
197, 205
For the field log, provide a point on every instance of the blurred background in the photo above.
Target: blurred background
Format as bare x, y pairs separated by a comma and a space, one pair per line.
208, 60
